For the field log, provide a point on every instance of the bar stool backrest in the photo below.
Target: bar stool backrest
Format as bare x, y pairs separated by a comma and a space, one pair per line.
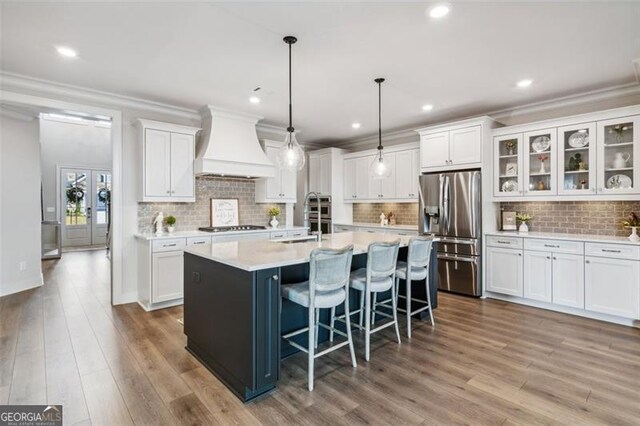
381, 258
419, 252
329, 269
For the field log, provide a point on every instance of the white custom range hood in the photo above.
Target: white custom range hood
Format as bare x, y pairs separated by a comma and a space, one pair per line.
228, 146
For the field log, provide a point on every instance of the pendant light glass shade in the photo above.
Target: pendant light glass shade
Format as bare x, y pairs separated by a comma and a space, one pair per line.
290, 155
379, 168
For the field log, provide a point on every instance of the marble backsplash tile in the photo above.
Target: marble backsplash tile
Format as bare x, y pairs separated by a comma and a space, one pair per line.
405, 213
577, 217
191, 216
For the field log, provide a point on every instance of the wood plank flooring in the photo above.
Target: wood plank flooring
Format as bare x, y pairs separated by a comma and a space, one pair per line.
485, 362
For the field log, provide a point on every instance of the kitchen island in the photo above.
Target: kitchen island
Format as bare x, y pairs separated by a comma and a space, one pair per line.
233, 313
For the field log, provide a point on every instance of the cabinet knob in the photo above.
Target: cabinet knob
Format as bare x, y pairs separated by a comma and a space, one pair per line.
519, 254
548, 257
587, 261
555, 258
168, 192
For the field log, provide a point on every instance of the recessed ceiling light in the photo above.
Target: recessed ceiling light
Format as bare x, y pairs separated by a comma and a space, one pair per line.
427, 107
355, 125
254, 100
67, 51
439, 11
525, 83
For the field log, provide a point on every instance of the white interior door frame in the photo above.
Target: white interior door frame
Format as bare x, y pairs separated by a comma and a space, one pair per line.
117, 279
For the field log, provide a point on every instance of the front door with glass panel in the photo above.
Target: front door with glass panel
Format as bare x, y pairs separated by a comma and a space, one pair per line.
85, 201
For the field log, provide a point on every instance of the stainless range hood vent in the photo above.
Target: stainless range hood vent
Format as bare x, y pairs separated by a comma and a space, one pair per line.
228, 146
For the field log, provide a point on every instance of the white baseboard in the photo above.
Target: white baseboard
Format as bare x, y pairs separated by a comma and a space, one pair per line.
564, 309
130, 297
22, 285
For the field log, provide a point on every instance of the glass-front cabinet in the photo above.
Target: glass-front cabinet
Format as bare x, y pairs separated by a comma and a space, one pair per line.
508, 176
577, 159
540, 162
618, 161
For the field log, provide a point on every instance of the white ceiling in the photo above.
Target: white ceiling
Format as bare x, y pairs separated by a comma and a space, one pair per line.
192, 54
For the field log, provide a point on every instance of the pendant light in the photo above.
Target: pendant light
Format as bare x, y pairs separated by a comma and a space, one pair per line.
290, 155
379, 169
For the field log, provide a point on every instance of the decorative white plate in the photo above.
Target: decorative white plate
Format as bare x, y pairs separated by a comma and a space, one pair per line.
578, 140
619, 182
541, 144
510, 186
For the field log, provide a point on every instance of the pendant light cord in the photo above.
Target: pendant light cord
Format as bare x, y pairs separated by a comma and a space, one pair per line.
290, 129
380, 115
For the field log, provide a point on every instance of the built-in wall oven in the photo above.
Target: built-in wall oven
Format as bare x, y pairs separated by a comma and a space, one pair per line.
321, 206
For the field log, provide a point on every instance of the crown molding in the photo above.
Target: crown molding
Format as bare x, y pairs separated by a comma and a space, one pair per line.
16, 115
20, 83
636, 68
568, 101
394, 137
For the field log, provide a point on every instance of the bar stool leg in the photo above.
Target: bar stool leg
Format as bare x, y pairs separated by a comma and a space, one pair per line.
362, 297
408, 281
429, 301
395, 313
367, 324
348, 324
311, 346
333, 321
316, 323
373, 309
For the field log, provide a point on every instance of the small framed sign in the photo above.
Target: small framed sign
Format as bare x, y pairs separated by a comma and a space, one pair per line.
224, 212
509, 221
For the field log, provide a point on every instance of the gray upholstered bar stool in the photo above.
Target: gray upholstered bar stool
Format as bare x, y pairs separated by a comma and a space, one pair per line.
377, 277
328, 287
416, 268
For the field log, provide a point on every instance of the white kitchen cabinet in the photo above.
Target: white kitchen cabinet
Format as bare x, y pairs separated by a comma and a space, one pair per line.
504, 271
618, 157
539, 158
350, 179
465, 146
568, 280
434, 150
167, 276
455, 147
508, 165
538, 275
577, 144
362, 177
320, 174
278, 189
168, 155
612, 286
381, 189
407, 172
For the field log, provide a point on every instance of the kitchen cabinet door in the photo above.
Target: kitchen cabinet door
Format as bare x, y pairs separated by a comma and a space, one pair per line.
182, 158
349, 182
539, 157
465, 146
612, 286
288, 185
568, 280
504, 271
388, 185
577, 144
320, 174
537, 275
157, 163
618, 158
362, 177
407, 171
508, 165
434, 150
168, 276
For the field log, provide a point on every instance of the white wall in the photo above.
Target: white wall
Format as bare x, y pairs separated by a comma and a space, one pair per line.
20, 205
82, 143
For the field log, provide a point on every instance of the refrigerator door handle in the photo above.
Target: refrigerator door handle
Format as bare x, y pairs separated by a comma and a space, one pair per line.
446, 204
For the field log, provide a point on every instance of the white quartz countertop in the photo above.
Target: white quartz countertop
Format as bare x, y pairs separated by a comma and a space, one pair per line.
377, 225
569, 237
196, 233
256, 255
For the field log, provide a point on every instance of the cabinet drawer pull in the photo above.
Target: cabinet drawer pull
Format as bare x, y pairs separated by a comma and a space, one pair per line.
552, 245
611, 251
169, 245
503, 242
198, 242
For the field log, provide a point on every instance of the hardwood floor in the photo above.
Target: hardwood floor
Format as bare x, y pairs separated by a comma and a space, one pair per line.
485, 362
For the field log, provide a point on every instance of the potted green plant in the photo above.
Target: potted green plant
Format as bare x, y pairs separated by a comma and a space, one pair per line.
524, 219
274, 212
171, 221
632, 222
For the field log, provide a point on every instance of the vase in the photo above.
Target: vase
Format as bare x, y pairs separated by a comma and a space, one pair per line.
542, 169
524, 228
634, 234
171, 229
274, 222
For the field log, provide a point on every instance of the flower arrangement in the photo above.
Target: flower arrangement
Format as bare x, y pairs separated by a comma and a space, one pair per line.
171, 220
524, 217
631, 221
543, 157
273, 211
511, 145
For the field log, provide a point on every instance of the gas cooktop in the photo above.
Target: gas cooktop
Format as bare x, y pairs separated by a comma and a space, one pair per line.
232, 228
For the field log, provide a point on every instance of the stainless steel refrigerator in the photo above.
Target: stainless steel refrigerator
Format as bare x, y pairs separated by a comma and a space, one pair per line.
450, 208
